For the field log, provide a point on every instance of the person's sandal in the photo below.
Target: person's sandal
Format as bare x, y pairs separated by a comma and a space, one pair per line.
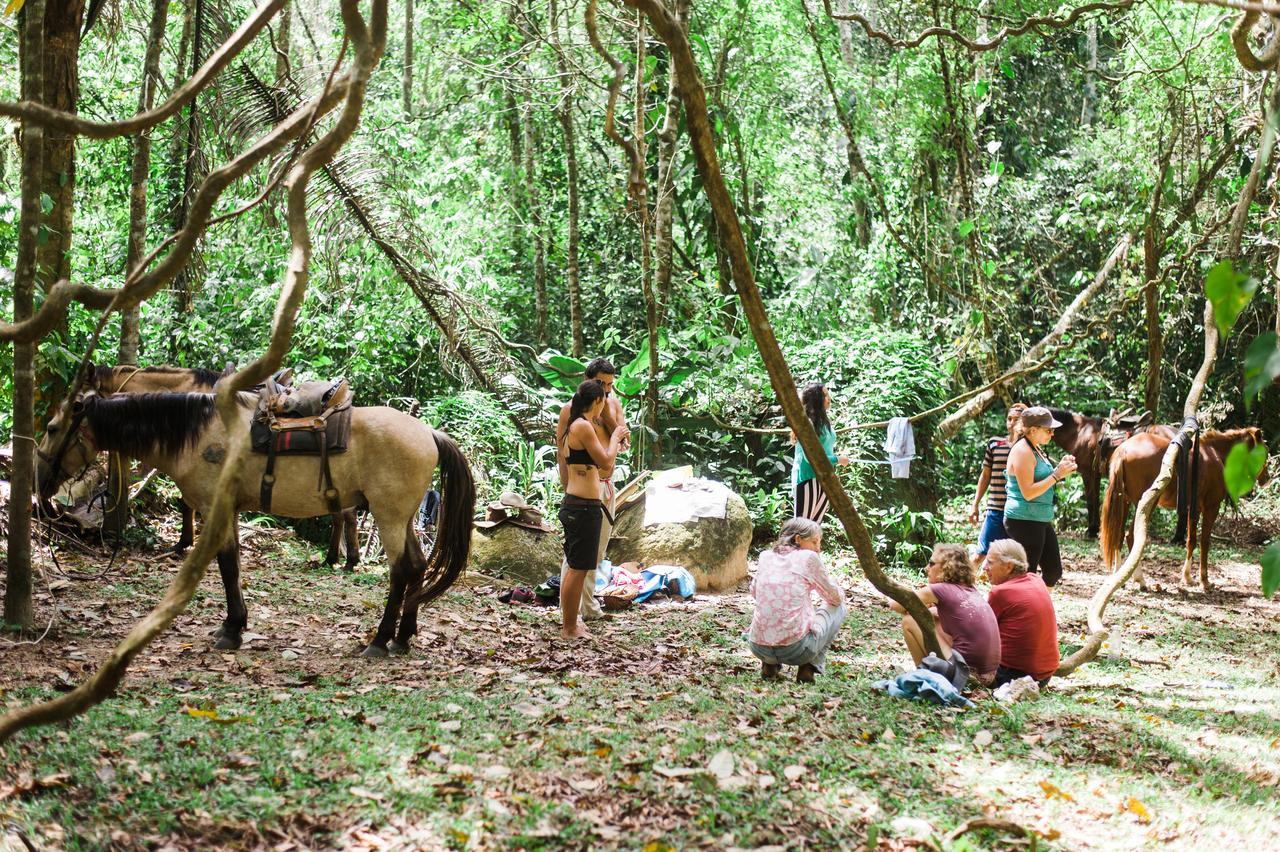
805, 673
770, 671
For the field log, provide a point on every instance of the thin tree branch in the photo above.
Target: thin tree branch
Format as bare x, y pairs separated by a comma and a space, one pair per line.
979, 46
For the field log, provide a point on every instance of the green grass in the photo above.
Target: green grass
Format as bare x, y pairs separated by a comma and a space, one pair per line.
493, 735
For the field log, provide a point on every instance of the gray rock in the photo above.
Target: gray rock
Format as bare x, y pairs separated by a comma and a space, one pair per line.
713, 550
517, 554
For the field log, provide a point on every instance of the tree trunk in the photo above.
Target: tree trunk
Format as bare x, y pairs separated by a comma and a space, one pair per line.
61, 90
665, 209
116, 517
564, 112
1089, 109
652, 441
407, 82
1152, 251
284, 52
535, 218
130, 338
700, 136
845, 28
19, 610
185, 282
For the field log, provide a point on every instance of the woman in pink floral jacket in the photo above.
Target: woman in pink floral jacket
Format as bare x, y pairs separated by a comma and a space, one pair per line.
786, 628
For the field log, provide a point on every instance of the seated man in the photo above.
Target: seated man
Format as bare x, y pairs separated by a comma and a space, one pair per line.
1024, 611
965, 622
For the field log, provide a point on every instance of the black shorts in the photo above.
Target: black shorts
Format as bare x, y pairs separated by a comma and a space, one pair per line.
582, 520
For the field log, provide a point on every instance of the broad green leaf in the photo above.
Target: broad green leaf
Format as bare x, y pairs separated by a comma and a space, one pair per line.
1261, 366
1271, 569
46, 203
980, 89
1006, 68
989, 267
997, 168
1242, 468
1229, 291
965, 228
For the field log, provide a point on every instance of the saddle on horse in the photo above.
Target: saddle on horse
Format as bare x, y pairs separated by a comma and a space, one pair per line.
311, 419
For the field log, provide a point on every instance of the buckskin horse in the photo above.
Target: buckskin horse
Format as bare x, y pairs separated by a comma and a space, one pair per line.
388, 466
1092, 440
124, 378
1135, 465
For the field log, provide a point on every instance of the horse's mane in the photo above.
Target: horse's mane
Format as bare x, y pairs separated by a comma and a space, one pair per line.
139, 424
1063, 415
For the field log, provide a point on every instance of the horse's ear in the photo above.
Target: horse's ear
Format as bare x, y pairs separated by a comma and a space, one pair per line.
77, 405
89, 376
1111, 418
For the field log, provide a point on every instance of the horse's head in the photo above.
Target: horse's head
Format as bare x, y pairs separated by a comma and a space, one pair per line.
68, 447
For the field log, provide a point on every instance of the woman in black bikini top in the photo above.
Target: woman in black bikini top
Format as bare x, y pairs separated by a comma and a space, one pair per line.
581, 513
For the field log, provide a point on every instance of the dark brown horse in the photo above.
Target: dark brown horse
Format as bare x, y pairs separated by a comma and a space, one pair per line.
129, 379
1092, 440
1135, 465
389, 464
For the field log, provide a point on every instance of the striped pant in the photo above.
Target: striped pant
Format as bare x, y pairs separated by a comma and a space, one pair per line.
811, 500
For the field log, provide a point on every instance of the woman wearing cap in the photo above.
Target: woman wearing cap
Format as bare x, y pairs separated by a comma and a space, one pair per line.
582, 512
810, 499
1030, 481
965, 621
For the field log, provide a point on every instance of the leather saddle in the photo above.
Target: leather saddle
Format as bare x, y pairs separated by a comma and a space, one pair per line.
310, 418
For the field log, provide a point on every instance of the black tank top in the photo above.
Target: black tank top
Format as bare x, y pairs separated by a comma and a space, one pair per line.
580, 456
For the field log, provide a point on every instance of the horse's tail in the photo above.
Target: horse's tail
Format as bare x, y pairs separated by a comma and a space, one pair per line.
1115, 508
453, 532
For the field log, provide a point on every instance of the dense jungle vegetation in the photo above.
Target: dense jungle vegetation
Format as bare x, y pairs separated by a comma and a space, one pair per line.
936, 208
917, 216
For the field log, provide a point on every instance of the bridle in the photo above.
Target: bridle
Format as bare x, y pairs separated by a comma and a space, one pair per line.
74, 435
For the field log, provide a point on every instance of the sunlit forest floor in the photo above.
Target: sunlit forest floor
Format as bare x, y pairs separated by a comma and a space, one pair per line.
658, 734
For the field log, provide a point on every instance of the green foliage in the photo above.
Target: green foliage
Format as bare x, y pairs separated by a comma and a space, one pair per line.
1229, 291
1242, 468
1271, 569
1261, 366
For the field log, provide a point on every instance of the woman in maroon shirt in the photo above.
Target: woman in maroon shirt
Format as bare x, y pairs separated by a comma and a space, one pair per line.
965, 622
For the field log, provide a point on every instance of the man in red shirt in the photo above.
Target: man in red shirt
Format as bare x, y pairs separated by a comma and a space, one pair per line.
1025, 615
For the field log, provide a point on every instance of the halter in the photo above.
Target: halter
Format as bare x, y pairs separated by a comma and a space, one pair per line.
75, 435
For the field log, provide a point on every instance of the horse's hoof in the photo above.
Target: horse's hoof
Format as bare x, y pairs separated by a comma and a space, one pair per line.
374, 652
350, 567
396, 648
227, 642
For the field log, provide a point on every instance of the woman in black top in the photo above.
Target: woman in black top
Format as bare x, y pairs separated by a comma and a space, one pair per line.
582, 511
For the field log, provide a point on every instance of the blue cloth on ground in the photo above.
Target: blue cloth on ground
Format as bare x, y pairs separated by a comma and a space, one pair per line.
924, 685
604, 576
673, 578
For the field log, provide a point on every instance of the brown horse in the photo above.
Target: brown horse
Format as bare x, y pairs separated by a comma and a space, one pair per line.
388, 465
129, 379
1092, 440
1135, 465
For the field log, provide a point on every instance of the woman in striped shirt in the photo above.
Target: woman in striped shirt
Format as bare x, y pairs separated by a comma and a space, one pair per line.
994, 461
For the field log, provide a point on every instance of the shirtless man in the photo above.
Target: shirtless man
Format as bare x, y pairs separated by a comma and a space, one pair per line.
610, 419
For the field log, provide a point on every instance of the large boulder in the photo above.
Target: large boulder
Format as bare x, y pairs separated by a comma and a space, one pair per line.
713, 550
514, 553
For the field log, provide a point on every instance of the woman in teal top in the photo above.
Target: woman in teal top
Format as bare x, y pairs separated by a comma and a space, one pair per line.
810, 499
1029, 487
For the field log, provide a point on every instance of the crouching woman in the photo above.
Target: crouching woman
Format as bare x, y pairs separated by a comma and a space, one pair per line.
786, 629
965, 621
